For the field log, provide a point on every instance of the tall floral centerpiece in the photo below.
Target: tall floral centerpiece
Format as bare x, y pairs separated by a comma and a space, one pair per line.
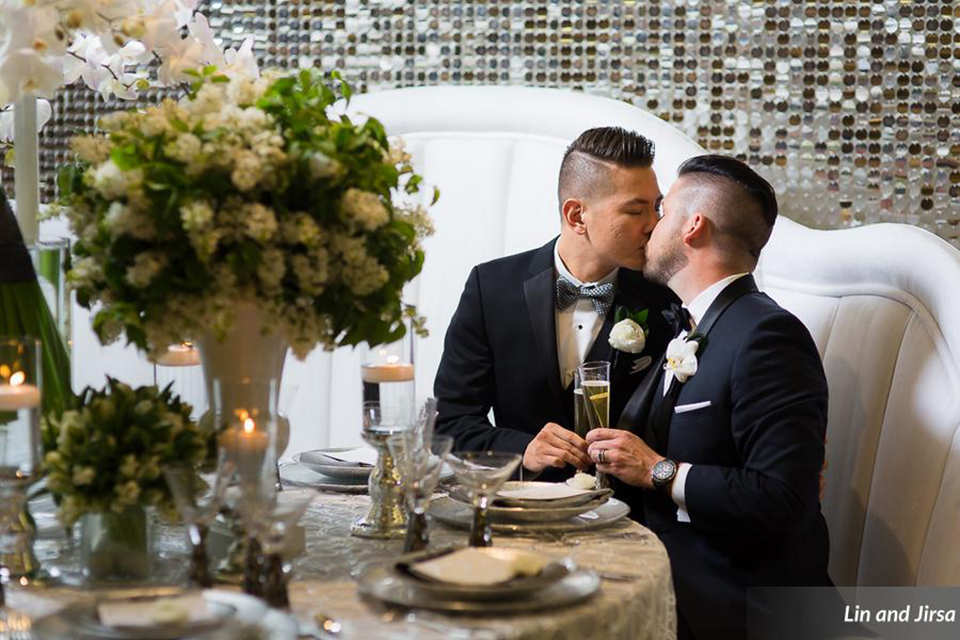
247, 217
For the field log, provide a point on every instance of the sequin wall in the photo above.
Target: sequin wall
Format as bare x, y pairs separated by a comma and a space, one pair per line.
850, 108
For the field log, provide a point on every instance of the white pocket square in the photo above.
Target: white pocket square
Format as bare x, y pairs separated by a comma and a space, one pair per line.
684, 408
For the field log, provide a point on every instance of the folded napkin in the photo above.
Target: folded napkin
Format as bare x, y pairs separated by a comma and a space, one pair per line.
352, 458
480, 567
173, 610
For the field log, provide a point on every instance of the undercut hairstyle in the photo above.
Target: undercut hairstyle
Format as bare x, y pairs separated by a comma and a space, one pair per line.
583, 172
741, 203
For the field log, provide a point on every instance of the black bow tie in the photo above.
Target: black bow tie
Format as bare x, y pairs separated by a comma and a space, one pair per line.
601, 295
678, 317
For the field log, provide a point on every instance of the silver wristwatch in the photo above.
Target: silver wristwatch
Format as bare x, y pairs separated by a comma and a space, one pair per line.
663, 473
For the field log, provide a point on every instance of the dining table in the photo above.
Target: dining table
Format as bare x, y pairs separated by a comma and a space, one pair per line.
635, 601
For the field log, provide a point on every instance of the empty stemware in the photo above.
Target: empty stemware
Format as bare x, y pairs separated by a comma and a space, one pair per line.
198, 497
419, 463
271, 527
482, 473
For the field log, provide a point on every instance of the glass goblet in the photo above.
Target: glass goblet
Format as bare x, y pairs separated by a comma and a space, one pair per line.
482, 473
198, 497
272, 528
419, 464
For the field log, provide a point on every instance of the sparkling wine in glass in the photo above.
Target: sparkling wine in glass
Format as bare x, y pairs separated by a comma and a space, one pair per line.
593, 381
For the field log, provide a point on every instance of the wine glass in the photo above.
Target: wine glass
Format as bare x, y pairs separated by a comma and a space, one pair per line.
482, 473
419, 463
198, 497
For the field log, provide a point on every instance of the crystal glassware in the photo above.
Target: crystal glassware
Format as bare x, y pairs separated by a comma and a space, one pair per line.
271, 525
482, 473
21, 454
591, 402
387, 371
419, 462
386, 518
198, 497
180, 366
245, 416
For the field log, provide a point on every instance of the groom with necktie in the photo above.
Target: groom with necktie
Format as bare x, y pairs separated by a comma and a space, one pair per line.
525, 322
724, 439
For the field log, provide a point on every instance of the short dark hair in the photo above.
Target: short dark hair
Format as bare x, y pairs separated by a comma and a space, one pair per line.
743, 203
581, 166
740, 173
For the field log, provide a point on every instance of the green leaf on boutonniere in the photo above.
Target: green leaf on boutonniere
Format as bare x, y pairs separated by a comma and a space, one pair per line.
640, 317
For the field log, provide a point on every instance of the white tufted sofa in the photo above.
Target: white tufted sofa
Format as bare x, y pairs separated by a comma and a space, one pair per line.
882, 302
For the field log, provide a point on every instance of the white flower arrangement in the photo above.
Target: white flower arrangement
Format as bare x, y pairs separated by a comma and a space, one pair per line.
106, 455
244, 191
681, 360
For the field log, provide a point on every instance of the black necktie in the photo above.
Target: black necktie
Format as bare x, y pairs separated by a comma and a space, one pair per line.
601, 295
678, 318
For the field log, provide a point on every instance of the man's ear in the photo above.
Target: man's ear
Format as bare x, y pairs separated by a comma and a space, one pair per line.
694, 229
572, 212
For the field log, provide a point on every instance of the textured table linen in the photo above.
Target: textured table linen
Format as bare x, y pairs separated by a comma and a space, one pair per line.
325, 576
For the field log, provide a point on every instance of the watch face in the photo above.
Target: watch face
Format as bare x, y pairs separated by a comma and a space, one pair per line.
664, 470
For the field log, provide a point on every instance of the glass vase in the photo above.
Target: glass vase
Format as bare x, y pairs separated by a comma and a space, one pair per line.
116, 546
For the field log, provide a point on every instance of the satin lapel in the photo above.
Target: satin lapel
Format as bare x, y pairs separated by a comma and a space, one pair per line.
627, 290
736, 290
635, 413
539, 292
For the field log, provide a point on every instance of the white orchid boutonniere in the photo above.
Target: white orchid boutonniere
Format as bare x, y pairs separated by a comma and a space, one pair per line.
682, 357
629, 334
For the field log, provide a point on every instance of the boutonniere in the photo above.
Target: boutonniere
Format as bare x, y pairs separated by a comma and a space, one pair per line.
629, 334
682, 356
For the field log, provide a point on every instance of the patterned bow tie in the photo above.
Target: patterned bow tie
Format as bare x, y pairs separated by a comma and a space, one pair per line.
678, 317
601, 295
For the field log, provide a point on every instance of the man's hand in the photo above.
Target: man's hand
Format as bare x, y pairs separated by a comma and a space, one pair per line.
624, 455
555, 446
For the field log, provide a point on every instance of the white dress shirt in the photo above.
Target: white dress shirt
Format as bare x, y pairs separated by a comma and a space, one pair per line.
697, 308
577, 325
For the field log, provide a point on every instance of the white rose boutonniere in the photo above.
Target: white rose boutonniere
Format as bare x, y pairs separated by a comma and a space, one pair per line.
629, 334
682, 358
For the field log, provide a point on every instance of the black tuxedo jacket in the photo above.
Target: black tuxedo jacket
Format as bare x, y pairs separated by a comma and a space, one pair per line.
500, 352
756, 450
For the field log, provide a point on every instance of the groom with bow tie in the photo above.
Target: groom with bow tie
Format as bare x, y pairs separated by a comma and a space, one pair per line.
724, 439
525, 322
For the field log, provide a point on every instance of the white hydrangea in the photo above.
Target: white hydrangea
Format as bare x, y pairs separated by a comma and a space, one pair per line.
242, 91
247, 170
360, 271
196, 215
259, 221
146, 266
123, 220
300, 228
92, 149
83, 476
184, 148
154, 122
271, 270
364, 208
109, 180
85, 272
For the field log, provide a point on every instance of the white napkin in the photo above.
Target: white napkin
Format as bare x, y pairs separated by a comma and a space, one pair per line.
481, 567
188, 608
362, 455
542, 491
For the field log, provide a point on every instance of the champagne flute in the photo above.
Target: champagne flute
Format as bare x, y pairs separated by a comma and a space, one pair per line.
593, 381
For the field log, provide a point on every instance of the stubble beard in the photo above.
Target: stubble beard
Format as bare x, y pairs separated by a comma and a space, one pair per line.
661, 268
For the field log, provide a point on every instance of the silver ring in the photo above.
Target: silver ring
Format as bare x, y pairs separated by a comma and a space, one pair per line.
600, 456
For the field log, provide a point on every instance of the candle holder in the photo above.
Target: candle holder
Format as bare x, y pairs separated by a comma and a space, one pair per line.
180, 365
386, 518
20, 448
387, 372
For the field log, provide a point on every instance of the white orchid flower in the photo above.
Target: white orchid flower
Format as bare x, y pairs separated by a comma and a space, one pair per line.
682, 358
44, 111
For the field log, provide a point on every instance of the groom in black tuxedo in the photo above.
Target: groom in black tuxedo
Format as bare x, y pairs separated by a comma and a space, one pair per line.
725, 436
526, 321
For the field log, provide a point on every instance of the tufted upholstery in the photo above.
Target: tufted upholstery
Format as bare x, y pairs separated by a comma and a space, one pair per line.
880, 301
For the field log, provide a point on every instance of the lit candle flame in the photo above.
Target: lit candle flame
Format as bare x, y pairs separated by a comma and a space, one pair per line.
393, 359
249, 425
17, 379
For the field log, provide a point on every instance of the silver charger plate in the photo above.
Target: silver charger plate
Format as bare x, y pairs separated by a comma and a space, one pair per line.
460, 515
382, 584
351, 472
535, 515
79, 621
298, 474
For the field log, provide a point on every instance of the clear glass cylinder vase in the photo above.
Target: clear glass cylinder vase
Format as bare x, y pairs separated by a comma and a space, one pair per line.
117, 546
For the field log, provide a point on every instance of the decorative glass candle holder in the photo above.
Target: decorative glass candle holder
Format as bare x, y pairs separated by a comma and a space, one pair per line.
21, 454
387, 372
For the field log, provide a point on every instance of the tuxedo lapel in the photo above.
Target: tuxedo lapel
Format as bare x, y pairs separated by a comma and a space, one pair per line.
539, 292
